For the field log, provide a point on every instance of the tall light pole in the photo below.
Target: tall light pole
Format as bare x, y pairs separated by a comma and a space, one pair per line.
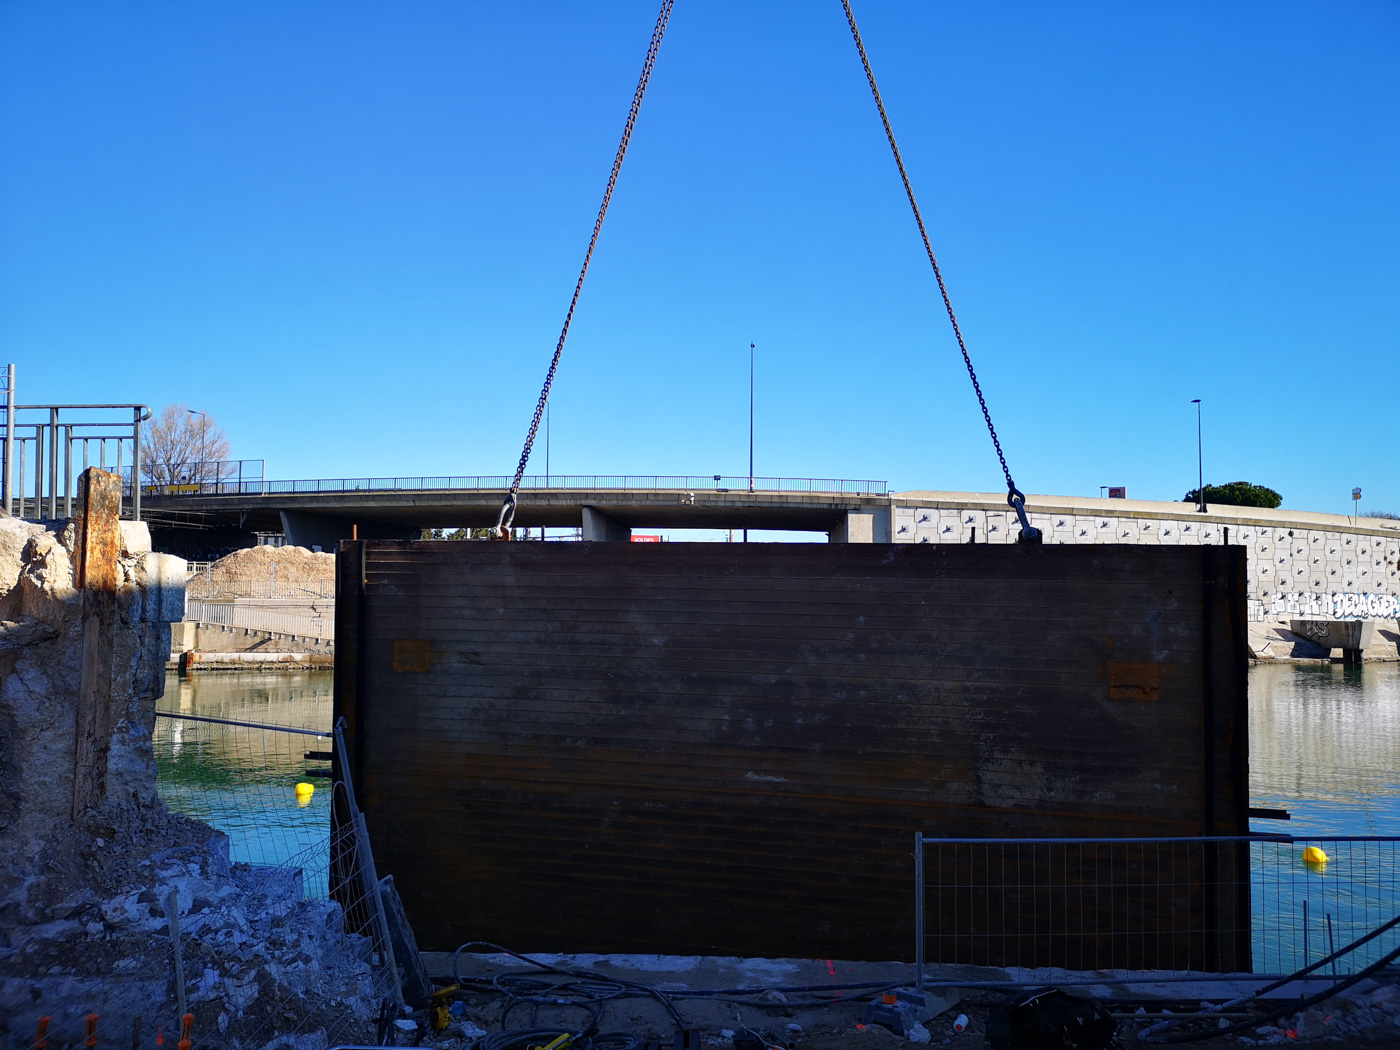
203, 441
746, 531
751, 417
1200, 469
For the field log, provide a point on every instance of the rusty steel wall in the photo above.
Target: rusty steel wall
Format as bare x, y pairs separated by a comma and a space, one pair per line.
725, 748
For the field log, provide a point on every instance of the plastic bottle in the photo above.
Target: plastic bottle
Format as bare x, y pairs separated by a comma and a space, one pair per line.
960, 1023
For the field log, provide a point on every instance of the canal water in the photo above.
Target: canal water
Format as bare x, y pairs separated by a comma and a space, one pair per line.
1324, 745
244, 781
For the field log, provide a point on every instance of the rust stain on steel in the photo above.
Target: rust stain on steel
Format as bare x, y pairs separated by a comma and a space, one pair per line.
1133, 680
726, 749
412, 655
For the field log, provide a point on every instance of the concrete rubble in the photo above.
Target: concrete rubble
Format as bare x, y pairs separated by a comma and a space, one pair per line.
89, 855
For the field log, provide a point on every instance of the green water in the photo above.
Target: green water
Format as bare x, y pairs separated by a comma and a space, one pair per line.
243, 781
1325, 745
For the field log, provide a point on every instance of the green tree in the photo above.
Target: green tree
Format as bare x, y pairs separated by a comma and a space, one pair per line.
1237, 494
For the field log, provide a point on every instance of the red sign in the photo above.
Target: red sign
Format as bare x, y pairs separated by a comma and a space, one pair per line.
639, 538
1117, 492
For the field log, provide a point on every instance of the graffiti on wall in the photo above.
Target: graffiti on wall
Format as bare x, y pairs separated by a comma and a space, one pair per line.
1338, 606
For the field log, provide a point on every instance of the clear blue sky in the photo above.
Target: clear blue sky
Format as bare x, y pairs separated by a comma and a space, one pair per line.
349, 231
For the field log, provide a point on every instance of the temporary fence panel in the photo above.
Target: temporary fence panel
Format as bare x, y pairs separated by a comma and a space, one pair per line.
701, 748
1086, 904
1315, 895
1156, 904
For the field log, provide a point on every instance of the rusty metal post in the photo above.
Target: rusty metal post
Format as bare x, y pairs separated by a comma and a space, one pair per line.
98, 571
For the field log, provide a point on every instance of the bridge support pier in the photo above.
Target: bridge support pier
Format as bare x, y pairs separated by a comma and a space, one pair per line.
863, 526
599, 526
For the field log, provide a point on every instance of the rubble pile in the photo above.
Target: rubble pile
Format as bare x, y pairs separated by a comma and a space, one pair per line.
259, 962
1365, 1015
90, 856
267, 572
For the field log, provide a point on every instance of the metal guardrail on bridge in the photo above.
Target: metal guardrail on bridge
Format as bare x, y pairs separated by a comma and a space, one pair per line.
710, 483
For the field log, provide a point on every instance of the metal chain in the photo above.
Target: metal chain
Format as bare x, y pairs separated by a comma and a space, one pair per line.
507, 515
1014, 496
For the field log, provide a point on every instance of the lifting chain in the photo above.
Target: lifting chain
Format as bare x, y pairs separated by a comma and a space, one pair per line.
507, 515
1014, 497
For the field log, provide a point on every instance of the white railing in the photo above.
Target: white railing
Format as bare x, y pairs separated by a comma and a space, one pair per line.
229, 614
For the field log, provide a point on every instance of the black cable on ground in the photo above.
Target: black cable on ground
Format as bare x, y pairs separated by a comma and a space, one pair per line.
1297, 975
1283, 1011
604, 988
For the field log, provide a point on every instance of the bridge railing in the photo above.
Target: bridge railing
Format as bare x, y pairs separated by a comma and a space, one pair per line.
592, 482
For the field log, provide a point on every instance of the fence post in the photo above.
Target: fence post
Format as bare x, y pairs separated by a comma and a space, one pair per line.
367, 870
919, 910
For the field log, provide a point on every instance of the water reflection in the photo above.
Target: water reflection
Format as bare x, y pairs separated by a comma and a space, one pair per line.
244, 781
1323, 745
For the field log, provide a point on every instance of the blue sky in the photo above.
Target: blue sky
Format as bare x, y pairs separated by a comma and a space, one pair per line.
349, 231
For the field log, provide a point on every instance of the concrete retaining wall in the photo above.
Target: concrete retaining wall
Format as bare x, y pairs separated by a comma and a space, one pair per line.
1320, 566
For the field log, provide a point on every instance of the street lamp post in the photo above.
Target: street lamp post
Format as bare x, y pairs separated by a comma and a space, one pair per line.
1200, 468
751, 345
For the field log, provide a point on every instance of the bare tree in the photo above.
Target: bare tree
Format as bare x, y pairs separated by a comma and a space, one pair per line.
184, 447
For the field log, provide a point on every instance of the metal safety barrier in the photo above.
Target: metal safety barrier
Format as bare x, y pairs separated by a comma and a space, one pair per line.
589, 482
230, 614
1266, 903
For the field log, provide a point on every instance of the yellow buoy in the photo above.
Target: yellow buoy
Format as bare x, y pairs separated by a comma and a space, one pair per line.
304, 793
1314, 855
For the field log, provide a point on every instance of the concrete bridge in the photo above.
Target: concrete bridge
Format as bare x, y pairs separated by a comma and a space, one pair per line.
1301, 564
323, 512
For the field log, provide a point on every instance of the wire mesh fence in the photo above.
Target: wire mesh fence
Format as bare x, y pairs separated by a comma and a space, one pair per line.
1307, 904
267, 787
1270, 904
282, 936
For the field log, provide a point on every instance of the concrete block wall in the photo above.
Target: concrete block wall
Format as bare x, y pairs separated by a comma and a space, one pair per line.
1300, 564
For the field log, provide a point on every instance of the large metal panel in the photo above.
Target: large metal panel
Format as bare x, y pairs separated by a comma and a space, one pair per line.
724, 748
